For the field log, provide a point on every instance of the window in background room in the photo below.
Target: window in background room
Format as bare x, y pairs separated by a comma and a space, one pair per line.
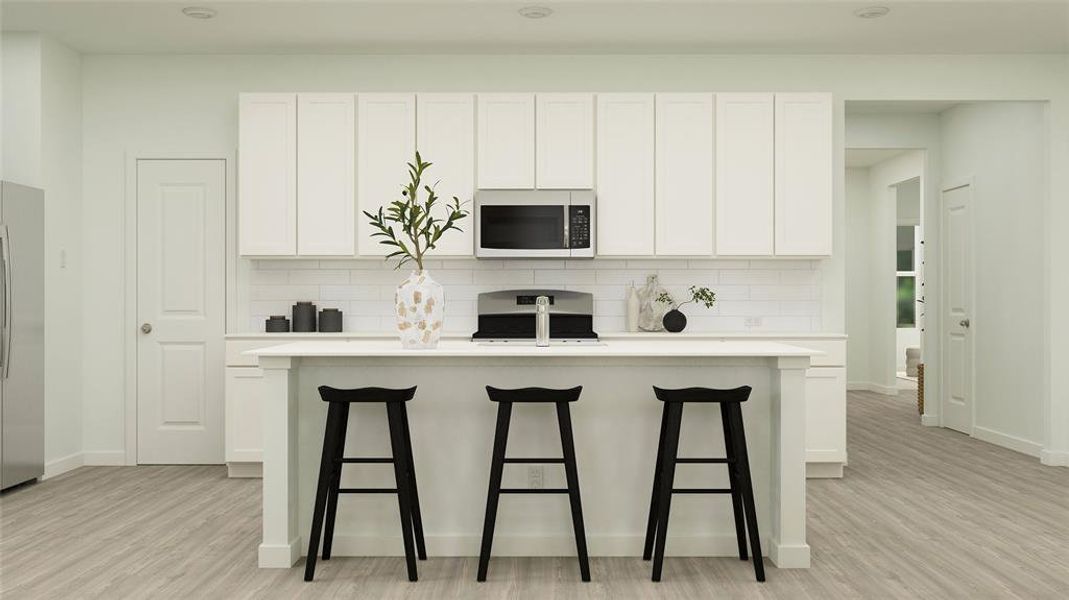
906, 300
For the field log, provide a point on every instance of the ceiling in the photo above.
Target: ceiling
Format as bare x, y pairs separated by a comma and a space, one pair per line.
862, 158
577, 26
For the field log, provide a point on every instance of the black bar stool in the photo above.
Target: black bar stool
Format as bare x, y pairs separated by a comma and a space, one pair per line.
330, 471
505, 399
737, 461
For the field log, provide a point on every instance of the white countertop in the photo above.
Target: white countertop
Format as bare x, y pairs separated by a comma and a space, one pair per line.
617, 335
614, 348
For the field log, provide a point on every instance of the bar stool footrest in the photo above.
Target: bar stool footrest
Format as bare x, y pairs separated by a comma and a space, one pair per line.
367, 490
365, 461
535, 491
705, 461
701, 491
535, 461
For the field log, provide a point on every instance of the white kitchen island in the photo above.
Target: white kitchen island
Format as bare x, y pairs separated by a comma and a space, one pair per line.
616, 424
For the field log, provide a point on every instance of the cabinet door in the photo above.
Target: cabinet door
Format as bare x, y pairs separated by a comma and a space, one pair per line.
625, 167
803, 174
684, 174
825, 407
326, 174
244, 427
744, 174
506, 141
267, 174
385, 144
565, 141
445, 137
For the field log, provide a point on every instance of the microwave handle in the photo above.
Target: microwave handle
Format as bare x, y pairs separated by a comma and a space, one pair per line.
567, 233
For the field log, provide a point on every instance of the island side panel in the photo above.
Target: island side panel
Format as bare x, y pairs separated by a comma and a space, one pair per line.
280, 547
789, 548
616, 425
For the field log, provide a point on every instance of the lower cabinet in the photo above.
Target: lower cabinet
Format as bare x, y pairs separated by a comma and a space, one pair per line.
825, 423
244, 422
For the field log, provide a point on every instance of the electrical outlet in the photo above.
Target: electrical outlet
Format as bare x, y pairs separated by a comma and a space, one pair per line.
535, 478
752, 322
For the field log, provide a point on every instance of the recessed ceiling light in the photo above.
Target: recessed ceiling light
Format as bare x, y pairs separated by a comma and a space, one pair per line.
198, 12
871, 12
536, 12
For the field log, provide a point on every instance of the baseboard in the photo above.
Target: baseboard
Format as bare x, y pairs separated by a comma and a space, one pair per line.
789, 556
281, 556
824, 470
245, 470
868, 386
930, 420
62, 465
105, 458
1007, 441
519, 545
1054, 458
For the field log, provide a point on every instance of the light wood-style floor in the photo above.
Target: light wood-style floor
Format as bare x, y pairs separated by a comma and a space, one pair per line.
923, 513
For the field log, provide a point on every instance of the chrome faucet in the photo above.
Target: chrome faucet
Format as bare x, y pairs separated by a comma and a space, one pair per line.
542, 321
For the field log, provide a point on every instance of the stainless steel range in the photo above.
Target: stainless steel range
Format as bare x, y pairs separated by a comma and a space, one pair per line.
509, 316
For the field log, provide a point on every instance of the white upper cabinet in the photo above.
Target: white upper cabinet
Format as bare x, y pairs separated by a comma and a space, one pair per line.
506, 141
385, 144
326, 179
684, 174
803, 174
565, 141
267, 174
445, 136
625, 174
744, 174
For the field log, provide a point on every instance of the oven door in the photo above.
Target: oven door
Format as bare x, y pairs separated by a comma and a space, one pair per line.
521, 224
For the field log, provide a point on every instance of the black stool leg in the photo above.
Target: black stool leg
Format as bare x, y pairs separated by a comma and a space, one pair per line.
322, 489
335, 481
651, 523
733, 481
668, 472
567, 442
497, 465
739, 435
417, 517
401, 475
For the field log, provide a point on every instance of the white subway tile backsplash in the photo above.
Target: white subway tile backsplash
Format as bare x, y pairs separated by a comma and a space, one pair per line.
752, 294
558, 277
508, 277
319, 276
284, 292
750, 277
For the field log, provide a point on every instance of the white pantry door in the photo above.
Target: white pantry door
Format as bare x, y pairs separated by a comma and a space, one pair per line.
957, 309
181, 303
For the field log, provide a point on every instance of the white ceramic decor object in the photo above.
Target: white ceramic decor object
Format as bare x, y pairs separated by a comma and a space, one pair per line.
420, 310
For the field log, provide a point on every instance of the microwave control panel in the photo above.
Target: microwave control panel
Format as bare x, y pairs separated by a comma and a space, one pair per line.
579, 226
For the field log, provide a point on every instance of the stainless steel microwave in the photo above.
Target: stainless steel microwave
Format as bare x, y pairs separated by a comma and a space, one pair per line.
534, 224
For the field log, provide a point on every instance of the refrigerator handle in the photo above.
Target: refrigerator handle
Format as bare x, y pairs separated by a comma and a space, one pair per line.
5, 297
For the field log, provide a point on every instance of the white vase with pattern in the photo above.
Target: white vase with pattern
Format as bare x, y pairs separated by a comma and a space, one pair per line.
420, 311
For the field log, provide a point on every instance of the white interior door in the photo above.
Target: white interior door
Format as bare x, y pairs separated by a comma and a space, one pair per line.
957, 309
181, 271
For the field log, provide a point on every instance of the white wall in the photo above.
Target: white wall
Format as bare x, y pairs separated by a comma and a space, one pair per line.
21, 58
190, 103
1003, 148
43, 148
858, 255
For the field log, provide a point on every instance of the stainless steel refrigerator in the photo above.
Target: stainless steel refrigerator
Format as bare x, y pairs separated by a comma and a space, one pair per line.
22, 333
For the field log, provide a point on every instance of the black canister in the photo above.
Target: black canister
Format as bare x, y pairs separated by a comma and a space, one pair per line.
277, 324
304, 316
330, 320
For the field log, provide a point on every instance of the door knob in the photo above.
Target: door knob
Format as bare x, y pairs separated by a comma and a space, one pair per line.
146, 328
964, 323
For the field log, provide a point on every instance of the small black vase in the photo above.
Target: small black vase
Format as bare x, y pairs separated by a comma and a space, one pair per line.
674, 321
